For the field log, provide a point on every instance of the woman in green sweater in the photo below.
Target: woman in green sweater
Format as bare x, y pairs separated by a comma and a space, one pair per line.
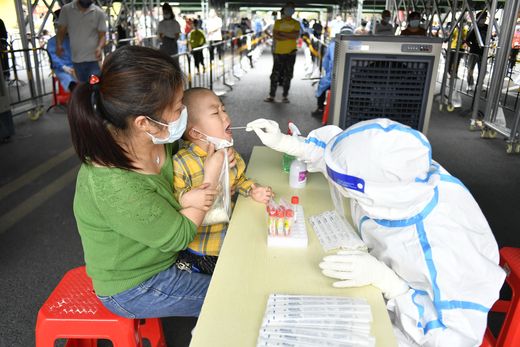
124, 126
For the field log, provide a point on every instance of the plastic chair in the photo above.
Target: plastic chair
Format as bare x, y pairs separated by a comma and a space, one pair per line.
73, 312
325, 117
509, 335
59, 96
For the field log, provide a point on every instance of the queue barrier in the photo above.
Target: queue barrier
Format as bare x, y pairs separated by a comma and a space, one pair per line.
30, 80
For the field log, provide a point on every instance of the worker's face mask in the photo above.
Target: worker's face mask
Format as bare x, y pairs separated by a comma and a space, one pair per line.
386, 19
414, 23
175, 129
85, 3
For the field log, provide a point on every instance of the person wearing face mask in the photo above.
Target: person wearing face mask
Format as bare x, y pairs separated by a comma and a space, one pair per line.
169, 30
214, 30
62, 66
86, 26
124, 126
414, 26
208, 123
475, 51
431, 251
385, 27
285, 33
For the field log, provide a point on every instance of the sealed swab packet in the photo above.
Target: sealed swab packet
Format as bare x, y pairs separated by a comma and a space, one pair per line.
307, 320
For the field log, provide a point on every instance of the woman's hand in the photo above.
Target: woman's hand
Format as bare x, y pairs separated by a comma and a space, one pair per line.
201, 197
213, 166
261, 194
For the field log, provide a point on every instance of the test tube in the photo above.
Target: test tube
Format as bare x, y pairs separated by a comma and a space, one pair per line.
289, 221
271, 223
280, 214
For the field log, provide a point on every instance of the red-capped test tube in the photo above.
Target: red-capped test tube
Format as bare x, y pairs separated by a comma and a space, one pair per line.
289, 221
271, 222
280, 217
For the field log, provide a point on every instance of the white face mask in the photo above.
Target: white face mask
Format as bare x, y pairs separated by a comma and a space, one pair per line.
218, 142
175, 129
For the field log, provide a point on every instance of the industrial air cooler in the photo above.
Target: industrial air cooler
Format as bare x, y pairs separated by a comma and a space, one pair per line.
381, 76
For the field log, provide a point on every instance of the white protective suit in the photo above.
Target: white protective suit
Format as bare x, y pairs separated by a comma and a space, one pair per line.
431, 250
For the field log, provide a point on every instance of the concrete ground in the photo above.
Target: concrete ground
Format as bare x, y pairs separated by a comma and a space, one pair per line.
38, 236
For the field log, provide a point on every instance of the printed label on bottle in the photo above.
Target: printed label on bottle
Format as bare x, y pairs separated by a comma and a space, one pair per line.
302, 176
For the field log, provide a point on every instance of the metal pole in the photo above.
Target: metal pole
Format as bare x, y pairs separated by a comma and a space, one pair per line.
504, 48
483, 69
25, 45
35, 52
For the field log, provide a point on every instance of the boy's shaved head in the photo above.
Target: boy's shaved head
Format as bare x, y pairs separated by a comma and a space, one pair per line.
191, 96
206, 113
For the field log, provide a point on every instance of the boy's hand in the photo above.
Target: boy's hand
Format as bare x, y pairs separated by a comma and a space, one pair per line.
261, 194
231, 158
201, 197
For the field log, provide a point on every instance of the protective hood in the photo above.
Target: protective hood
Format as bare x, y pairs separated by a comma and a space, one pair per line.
384, 166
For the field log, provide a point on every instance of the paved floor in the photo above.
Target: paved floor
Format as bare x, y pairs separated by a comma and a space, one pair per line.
38, 237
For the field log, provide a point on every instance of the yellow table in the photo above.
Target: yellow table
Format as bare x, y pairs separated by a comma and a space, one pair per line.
247, 271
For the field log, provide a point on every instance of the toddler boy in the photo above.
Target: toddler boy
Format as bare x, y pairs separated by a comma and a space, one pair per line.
207, 121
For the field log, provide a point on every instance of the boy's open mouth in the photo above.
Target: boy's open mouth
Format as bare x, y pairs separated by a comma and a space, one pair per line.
228, 129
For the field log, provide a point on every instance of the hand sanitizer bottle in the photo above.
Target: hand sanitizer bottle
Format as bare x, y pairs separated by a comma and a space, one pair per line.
298, 174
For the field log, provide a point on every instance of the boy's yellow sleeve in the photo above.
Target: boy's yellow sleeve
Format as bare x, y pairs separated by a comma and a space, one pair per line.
181, 179
241, 183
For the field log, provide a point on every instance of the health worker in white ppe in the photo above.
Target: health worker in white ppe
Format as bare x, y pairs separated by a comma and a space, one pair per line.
431, 251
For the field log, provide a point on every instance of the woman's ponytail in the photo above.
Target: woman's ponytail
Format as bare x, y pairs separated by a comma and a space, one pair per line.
89, 129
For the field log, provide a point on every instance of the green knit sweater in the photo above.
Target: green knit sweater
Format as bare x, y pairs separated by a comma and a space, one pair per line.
129, 223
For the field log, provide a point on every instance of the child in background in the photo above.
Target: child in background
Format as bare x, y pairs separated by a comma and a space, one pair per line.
207, 117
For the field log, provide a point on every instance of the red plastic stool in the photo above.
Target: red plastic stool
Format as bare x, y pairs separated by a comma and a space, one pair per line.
325, 117
59, 96
73, 311
509, 335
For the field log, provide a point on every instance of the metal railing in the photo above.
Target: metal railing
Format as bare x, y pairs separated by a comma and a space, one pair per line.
29, 80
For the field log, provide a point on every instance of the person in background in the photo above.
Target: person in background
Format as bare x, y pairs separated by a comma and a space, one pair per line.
4, 45
336, 25
62, 66
317, 29
124, 126
475, 51
385, 27
414, 26
188, 27
197, 39
324, 83
362, 29
214, 30
169, 30
86, 25
454, 45
285, 33
122, 32
258, 26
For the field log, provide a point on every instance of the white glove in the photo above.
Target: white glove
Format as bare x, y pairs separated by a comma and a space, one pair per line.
269, 133
356, 269
68, 69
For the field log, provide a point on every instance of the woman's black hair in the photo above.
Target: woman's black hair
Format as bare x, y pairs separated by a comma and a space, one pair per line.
134, 81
